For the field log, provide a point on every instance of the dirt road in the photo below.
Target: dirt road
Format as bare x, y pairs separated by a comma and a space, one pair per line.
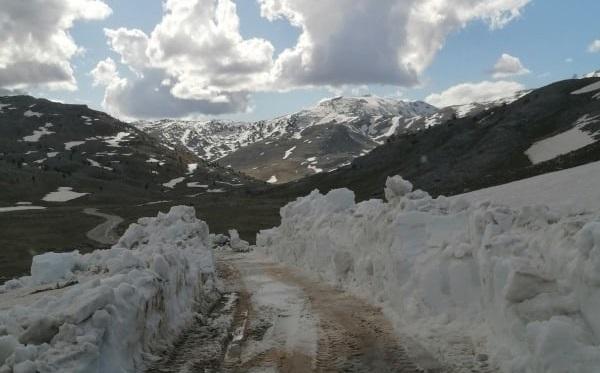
295, 324
105, 232
273, 319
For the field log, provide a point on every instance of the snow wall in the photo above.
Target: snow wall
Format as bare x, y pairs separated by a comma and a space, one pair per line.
113, 308
520, 287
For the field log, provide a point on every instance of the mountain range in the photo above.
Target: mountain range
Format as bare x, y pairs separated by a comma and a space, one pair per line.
58, 160
320, 139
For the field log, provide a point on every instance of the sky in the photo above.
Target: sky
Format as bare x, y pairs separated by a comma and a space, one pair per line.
258, 59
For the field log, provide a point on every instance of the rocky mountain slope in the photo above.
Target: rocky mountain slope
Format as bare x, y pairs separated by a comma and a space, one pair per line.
304, 143
321, 139
549, 129
46, 145
59, 162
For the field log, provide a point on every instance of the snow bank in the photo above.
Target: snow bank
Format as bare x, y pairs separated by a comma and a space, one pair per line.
520, 287
236, 243
110, 310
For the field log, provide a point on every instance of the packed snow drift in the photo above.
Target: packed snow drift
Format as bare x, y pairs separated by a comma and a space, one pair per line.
517, 287
110, 310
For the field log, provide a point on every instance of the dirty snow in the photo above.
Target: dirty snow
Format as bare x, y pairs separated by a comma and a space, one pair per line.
315, 169
272, 180
110, 310
115, 141
63, 194
171, 184
94, 163
154, 203
216, 190
196, 185
21, 208
230, 184
563, 143
157, 161
516, 285
71, 144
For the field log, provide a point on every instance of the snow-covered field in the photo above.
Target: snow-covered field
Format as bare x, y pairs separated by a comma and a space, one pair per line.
518, 285
570, 191
110, 310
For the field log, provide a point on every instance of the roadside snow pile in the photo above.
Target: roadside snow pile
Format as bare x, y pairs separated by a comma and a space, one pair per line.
522, 286
110, 310
233, 242
236, 243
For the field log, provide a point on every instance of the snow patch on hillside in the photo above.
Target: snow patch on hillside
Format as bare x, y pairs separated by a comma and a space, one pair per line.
71, 144
115, 141
563, 143
518, 284
587, 89
173, 183
63, 194
38, 134
20, 208
110, 310
97, 164
29, 114
289, 152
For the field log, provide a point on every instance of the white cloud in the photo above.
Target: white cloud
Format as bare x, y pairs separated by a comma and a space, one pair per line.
150, 96
467, 93
194, 61
198, 49
508, 66
105, 73
36, 44
365, 41
594, 47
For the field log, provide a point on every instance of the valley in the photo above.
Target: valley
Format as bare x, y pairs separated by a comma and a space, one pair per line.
125, 172
77, 180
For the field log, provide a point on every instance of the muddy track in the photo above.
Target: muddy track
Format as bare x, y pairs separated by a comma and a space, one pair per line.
351, 336
273, 319
204, 345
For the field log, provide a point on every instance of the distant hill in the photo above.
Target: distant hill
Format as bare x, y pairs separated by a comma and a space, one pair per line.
548, 129
293, 146
46, 145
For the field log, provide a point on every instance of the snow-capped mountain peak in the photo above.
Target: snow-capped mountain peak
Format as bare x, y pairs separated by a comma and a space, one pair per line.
374, 117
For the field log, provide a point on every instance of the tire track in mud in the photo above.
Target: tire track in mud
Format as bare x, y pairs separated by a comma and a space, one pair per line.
204, 344
242, 335
353, 336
